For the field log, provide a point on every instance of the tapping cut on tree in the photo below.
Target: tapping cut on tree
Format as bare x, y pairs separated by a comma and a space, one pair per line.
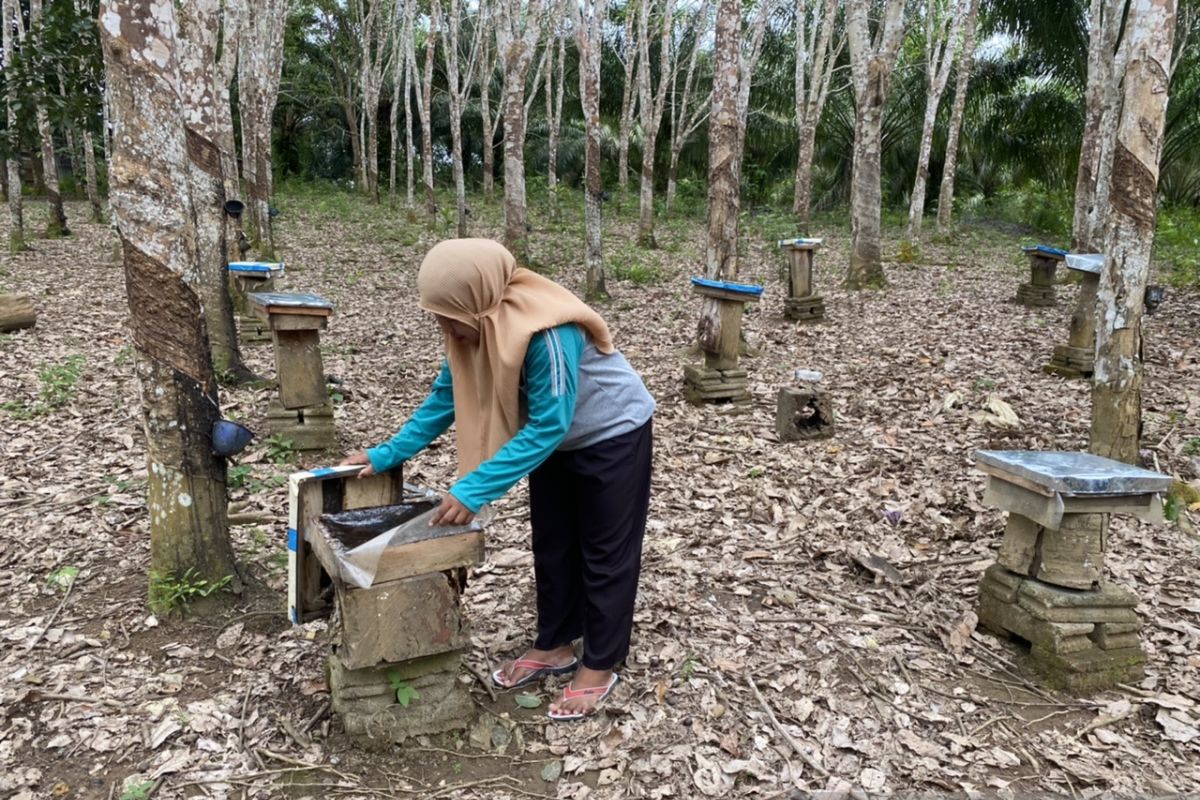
152, 209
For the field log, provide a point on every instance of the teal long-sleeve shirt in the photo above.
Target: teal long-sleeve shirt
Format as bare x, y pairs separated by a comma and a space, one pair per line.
551, 372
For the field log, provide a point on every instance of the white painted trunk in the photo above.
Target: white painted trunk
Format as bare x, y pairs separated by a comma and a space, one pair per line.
590, 36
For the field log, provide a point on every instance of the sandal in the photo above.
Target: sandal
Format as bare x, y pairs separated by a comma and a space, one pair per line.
570, 693
540, 670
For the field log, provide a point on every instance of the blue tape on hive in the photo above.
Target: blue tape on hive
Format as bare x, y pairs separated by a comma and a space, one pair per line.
748, 289
257, 267
293, 539
1042, 248
321, 472
293, 616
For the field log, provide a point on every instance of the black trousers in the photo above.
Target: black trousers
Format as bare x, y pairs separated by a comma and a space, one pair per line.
588, 511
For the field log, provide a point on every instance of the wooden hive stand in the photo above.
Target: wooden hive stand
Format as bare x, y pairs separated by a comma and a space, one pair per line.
1077, 358
1048, 587
405, 631
301, 413
1043, 263
720, 380
245, 278
802, 303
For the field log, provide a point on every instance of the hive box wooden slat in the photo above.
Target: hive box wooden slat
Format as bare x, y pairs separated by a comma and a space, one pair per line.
400, 620
321, 491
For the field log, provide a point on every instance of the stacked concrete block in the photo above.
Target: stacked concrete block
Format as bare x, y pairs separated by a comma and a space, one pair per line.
1043, 263
1077, 358
245, 278
720, 379
397, 641
302, 412
802, 304
1048, 586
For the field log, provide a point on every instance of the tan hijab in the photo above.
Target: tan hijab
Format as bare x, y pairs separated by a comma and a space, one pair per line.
477, 282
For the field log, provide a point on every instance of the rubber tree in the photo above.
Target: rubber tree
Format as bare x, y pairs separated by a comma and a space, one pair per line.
817, 52
56, 225
589, 16
458, 84
942, 21
518, 27
12, 160
152, 211
199, 41
652, 99
1129, 234
260, 64
873, 55
962, 78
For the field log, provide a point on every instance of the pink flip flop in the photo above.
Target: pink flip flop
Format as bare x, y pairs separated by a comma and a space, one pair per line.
570, 693
540, 670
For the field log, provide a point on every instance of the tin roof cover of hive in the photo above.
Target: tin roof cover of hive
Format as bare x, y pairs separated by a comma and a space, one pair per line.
288, 300
1086, 262
801, 242
1073, 473
268, 269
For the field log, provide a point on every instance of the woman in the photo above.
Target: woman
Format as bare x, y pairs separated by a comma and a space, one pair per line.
535, 387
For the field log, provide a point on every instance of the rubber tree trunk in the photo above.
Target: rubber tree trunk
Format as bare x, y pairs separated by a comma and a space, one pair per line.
260, 63
872, 59
590, 37
941, 34
199, 26
517, 33
89, 167
426, 111
724, 200
56, 225
966, 63
628, 96
12, 164
152, 209
653, 101
1129, 236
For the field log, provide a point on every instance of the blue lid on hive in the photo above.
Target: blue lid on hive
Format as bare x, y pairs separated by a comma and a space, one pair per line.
267, 268
748, 289
1045, 250
1072, 473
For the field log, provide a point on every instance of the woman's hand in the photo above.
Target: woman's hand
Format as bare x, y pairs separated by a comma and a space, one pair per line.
451, 512
357, 459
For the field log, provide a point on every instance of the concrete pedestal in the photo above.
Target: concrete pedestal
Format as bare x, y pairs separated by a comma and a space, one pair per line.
1077, 358
803, 413
1043, 263
1048, 587
720, 380
802, 304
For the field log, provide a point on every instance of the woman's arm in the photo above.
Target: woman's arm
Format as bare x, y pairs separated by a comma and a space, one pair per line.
551, 375
427, 423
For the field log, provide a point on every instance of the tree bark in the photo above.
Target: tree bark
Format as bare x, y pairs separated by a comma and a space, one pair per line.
1129, 234
56, 227
151, 204
516, 41
1105, 54
16, 312
374, 24
459, 83
425, 109
966, 62
555, 91
260, 64
942, 19
628, 93
197, 40
485, 113
410, 59
684, 121
872, 58
12, 164
815, 60
724, 200
589, 30
653, 102
398, 61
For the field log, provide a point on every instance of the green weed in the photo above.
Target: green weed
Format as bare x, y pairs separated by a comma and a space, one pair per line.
237, 475
1192, 446
280, 449
171, 594
405, 694
688, 668
138, 791
909, 252
56, 390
